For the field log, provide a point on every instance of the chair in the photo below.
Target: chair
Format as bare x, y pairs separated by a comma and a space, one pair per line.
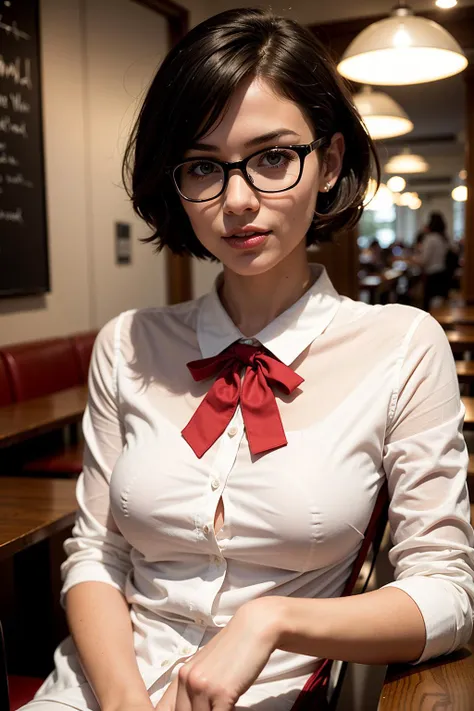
316, 694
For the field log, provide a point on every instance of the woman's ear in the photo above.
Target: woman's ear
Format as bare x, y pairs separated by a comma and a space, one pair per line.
332, 164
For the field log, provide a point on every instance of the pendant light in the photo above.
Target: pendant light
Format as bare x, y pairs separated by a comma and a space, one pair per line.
402, 49
382, 115
406, 162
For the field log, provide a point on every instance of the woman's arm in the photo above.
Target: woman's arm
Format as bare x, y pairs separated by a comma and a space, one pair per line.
98, 556
99, 621
427, 611
377, 627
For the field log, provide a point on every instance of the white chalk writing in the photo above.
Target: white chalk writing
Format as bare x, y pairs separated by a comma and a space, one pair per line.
13, 30
9, 126
18, 105
18, 179
12, 215
14, 71
5, 159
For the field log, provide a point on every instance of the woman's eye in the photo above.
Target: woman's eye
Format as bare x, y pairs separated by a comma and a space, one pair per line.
276, 159
201, 169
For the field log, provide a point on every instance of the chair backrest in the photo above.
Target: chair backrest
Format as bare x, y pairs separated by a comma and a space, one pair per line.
83, 344
314, 695
6, 395
41, 367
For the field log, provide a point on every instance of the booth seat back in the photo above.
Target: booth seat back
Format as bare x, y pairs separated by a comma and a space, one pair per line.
40, 368
83, 344
6, 395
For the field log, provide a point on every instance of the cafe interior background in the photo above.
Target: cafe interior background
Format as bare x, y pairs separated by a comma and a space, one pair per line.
82, 261
96, 59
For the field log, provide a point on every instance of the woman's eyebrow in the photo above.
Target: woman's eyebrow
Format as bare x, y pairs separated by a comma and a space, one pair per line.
264, 138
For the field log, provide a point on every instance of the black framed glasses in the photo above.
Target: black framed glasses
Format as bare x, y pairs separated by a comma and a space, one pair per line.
272, 170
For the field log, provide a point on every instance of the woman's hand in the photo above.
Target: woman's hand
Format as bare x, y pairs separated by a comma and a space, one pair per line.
216, 676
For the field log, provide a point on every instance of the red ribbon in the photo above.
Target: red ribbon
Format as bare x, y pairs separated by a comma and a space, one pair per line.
259, 408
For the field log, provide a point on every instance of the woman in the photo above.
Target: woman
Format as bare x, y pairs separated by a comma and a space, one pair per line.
217, 524
434, 249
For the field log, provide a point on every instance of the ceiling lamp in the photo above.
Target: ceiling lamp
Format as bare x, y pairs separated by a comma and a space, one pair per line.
380, 199
446, 4
410, 200
406, 162
402, 49
460, 193
382, 115
396, 183
415, 204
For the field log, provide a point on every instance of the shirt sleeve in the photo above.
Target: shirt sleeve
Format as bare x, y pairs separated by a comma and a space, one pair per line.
97, 551
425, 460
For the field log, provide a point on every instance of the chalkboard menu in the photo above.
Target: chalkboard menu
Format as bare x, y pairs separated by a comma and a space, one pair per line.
23, 236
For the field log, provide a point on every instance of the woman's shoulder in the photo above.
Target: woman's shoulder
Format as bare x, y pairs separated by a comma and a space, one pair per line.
393, 316
398, 324
149, 324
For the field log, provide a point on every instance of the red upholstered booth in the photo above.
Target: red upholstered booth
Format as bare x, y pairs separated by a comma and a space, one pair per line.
21, 690
39, 368
83, 344
6, 396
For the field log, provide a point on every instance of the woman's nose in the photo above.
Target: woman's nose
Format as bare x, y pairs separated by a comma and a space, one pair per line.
239, 196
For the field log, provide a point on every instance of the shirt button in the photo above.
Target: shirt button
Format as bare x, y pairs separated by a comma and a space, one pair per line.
232, 431
248, 341
187, 650
215, 484
165, 662
217, 560
201, 621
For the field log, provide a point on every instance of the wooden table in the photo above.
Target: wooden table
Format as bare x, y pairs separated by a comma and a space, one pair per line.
30, 418
35, 518
33, 509
454, 315
378, 284
443, 684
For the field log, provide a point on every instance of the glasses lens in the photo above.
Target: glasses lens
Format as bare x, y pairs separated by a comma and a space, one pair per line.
199, 179
274, 170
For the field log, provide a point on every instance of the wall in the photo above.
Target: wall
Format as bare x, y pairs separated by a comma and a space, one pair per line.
97, 58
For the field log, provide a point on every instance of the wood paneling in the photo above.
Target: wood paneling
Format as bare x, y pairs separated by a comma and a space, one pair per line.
178, 269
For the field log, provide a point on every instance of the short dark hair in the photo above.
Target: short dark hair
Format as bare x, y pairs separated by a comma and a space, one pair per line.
193, 87
437, 223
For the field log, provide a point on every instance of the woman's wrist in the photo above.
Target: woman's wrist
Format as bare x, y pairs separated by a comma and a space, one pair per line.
266, 617
129, 702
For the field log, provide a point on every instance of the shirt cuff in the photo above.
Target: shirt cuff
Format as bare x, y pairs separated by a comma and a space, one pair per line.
438, 608
88, 572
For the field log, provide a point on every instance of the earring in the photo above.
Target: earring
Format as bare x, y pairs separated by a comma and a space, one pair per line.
327, 187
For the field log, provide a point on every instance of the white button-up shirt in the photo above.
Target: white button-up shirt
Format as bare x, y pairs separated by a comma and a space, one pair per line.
380, 399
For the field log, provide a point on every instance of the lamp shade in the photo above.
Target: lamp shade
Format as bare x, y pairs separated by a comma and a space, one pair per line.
406, 162
402, 49
382, 115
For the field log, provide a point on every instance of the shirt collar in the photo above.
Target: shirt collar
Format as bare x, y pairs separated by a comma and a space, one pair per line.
287, 336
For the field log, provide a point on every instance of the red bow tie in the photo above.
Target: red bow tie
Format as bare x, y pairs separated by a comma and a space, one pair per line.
259, 408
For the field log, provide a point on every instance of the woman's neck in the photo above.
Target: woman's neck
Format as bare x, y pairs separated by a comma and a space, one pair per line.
253, 302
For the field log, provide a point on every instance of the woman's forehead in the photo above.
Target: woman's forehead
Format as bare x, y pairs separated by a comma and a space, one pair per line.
256, 109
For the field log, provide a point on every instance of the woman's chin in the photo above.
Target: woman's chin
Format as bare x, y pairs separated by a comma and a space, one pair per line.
252, 263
